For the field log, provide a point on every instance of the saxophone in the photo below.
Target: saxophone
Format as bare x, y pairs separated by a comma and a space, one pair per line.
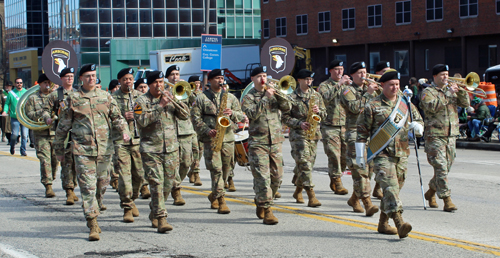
312, 118
223, 122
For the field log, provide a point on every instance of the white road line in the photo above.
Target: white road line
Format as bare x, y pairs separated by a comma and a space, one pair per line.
17, 253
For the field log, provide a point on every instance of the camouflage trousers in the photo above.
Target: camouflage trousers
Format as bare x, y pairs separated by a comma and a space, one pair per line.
160, 172
93, 178
266, 162
304, 154
220, 165
187, 146
390, 174
68, 172
360, 177
112, 168
197, 154
440, 155
335, 147
131, 173
46, 153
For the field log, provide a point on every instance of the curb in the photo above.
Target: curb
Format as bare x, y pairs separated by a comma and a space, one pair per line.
478, 146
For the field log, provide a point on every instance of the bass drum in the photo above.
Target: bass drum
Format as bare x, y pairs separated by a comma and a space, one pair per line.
241, 148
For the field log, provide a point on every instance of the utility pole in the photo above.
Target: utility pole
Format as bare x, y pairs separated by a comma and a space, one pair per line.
207, 31
61, 22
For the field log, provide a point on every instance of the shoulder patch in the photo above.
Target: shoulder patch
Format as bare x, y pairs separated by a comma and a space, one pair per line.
349, 95
137, 109
424, 95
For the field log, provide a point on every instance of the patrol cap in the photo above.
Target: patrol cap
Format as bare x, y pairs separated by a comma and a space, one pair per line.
304, 73
382, 65
86, 68
194, 78
257, 70
113, 84
476, 100
66, 71
215, 72
439, 68
356, 66
139, 82
42, 77
390, 75
335, 63
153, 76
124, 72
170, 69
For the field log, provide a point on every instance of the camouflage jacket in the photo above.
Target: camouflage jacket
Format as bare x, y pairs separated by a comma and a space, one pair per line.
123, 101
91, 116
440, 109
331, 91
204, 115
264, 115
35, 107
54, 104
158, 126
374, 115
185, 127
354, 99
299, 111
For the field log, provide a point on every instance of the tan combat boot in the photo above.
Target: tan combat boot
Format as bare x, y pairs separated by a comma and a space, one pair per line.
337, 187
223, 209
145, 194
69, 197
430, 196
313, 201
74, 195
377, 192
214, 203
448, 205
369, 207
384, 227
94, 229
178, 200
49, 193
101, 205
135, 211
190, 175
197, 179
154, 221
269, 218
128, 217
298, 195
354, 203
260, 212
403, 227
231, 187
277, 195
114, 184
294, 178
163, 225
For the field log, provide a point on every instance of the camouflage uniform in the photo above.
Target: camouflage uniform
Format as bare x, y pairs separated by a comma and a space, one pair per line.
303, 149
91, 116
265, 141
441, 129
45, 152
353, 99
390, 164
204, 115
159, 147
197, 148
128, 163
333, 128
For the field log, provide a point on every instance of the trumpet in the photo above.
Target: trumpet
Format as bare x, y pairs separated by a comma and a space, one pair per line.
469, 84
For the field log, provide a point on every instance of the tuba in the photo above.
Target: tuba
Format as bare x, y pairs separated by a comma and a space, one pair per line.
21, 112
223, 122
312, 119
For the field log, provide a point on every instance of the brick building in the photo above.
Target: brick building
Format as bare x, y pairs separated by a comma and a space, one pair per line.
412, 35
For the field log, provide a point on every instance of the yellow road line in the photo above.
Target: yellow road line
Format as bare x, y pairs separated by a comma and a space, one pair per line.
467, 245
4, 153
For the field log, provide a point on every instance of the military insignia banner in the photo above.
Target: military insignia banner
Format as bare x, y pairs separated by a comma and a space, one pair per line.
56, 56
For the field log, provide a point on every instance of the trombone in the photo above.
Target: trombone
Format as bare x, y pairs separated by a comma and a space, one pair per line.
469, 84
287, 85
181, 90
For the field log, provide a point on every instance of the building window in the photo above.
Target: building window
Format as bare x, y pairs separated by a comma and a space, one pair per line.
348, 19
453, 57
468, 8
403, 12
341, 57
498, 6
301, 24
265, 1
434, 10
487, 55
401, 62
374, 16
374, 59
324, 21
265, 29
281, 27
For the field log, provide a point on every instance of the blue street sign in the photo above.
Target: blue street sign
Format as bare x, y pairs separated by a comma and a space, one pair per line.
211, 52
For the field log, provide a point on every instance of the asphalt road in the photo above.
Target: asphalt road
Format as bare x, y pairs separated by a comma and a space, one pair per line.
34, 226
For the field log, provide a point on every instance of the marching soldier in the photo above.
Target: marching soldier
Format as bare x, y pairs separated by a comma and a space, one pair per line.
333, 127
353, 99
205, 112
56, 99
155, 114
262, 107
91, 114
43, 138
385, 120
113, 87
194, 173
303, 147
128, 158
141, 85
440, 103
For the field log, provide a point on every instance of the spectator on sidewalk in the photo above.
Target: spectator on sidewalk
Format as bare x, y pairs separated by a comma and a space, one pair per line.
5, 119
492, 126
475, 120
16, 126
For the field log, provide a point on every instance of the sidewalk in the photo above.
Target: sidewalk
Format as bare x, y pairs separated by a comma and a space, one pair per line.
494, 145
